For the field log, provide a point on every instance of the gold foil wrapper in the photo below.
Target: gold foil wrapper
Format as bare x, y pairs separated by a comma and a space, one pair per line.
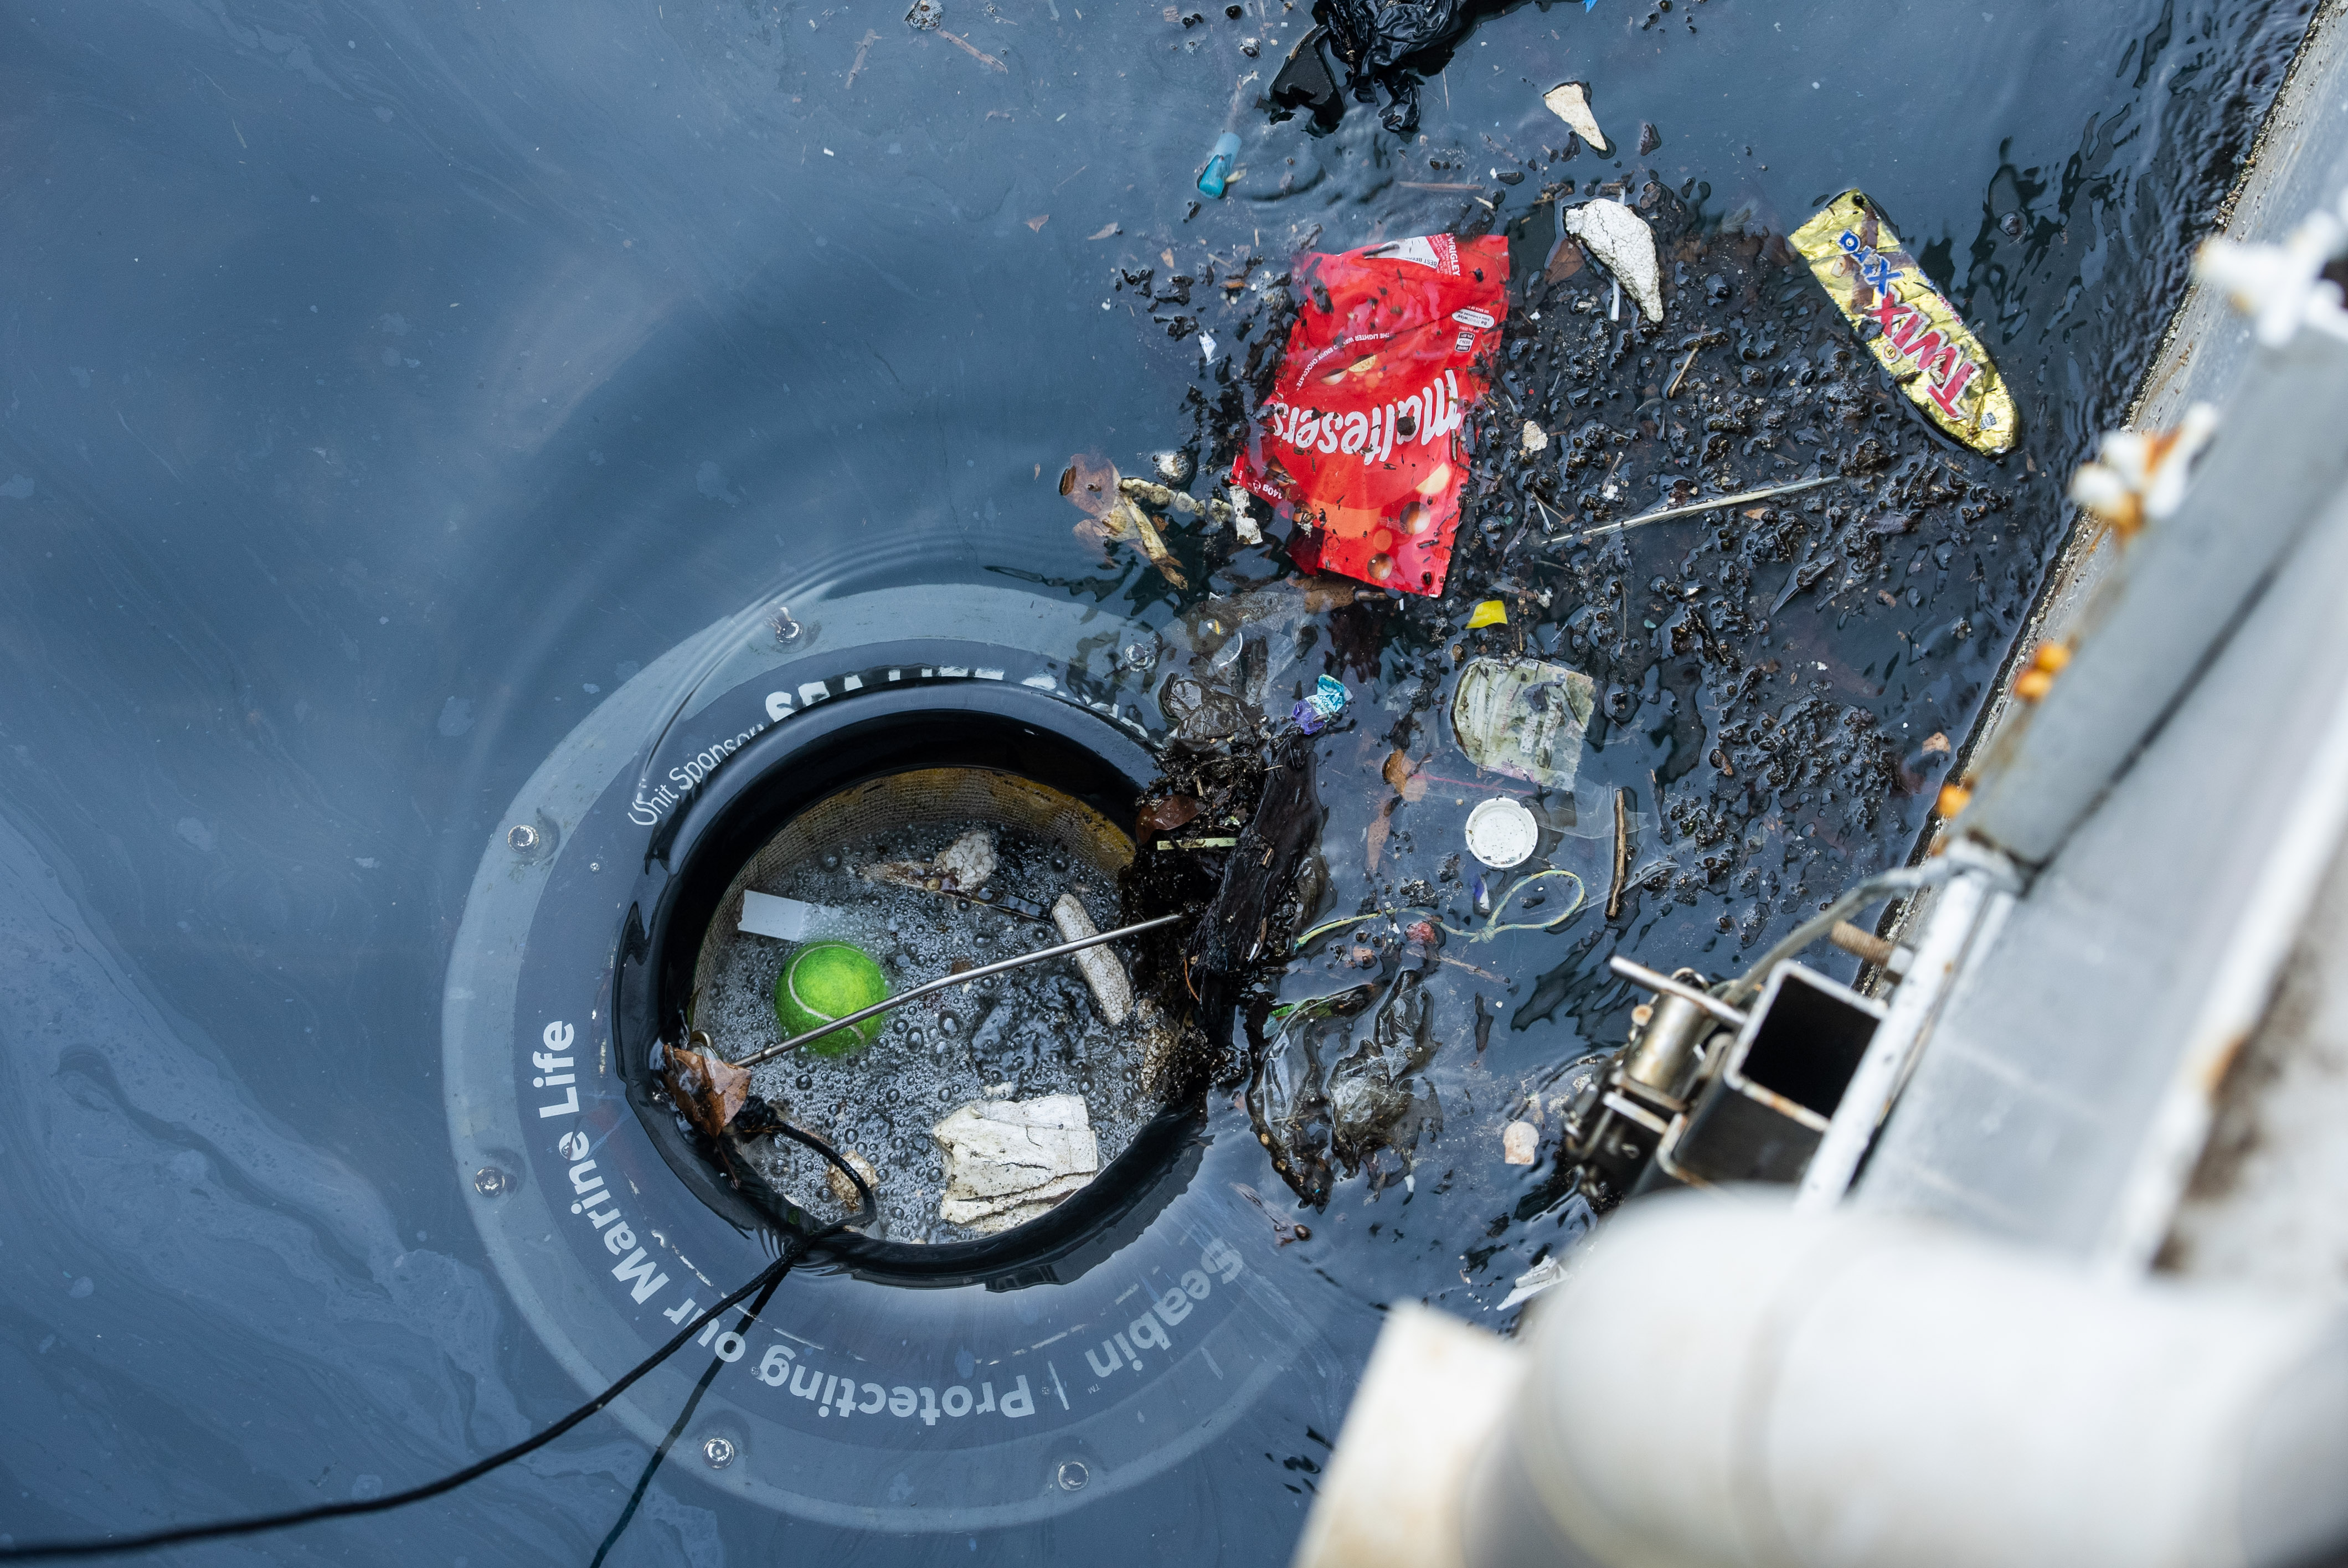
1915, 332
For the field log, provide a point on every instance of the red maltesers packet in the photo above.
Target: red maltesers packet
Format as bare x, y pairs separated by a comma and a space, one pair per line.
1361, 444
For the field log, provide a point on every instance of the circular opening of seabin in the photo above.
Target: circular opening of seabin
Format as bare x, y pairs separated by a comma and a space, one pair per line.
927, 873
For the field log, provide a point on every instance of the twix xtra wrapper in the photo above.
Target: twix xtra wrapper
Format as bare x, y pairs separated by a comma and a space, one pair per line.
1915, 332
1362, 442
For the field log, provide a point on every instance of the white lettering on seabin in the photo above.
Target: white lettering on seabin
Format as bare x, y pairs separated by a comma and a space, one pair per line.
646, 810
791, 1369
636, 1269
1153, 1330
832, 1394
555, 1065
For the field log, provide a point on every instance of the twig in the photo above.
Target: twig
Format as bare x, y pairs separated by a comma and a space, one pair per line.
870, 38
1622, 850
1674, 389
974, 51
1715, 504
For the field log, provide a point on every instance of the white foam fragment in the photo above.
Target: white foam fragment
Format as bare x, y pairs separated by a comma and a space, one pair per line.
968, 863
1621, 241
1099, 967
1569, 101
1009, 1160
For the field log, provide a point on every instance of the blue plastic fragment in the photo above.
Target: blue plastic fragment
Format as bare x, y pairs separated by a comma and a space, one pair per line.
1218, 172
1317, 710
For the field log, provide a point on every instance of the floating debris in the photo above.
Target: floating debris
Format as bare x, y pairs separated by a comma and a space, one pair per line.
1008, 1161
1306, 82
1518, 1141
1524, 718
965, 865
1912, 330
1693, 507
1547, 1274
1216, 177
784, 919
1104, 975
1490, 613
1375, 38
709, 1090
1569, 101
1320, 706
1621, 241
842, 1187
925, 15
1502, 833
1359, 441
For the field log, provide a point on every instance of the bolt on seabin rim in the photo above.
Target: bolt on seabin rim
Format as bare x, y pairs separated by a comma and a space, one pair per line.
950, 1389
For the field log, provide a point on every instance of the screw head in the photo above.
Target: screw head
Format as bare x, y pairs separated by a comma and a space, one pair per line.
1071, 1475
521, 837
492, 1183
718, 1452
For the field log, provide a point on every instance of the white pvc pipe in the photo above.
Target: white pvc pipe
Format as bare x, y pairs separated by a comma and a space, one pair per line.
1724, 1382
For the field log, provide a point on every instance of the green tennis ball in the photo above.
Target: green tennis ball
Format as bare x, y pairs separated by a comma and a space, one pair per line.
824, 980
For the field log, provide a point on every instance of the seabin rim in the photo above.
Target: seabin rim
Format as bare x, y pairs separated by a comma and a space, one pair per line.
1263, 1322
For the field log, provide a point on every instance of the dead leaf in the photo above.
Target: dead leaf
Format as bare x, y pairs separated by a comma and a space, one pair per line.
1106, 230
1566, 263
1165, 815
1326, 593
1375, 843
707, 1087
1936, 744
1166, 257
1152, 545
1402, 776
1089, 481
1038, 221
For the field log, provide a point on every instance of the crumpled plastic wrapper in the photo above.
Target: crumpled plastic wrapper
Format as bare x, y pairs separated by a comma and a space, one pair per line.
1912, 330
1524, 718
1361, 444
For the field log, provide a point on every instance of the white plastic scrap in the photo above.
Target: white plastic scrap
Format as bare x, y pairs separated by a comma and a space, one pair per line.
1621, 241
1099, 967
785, 919
1546, 1275
1569, 101
1008, 1161
1535, 438
1243, 525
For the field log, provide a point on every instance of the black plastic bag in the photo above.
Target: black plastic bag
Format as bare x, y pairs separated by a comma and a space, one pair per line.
1375, 37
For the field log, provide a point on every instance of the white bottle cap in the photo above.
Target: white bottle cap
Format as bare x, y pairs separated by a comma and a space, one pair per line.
1502, 833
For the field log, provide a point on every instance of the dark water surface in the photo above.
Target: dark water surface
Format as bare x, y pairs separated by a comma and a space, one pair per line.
386, 386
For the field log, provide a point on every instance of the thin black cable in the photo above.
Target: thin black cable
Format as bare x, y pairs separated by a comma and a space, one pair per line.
867, 1208
794, 1247
677, 1429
